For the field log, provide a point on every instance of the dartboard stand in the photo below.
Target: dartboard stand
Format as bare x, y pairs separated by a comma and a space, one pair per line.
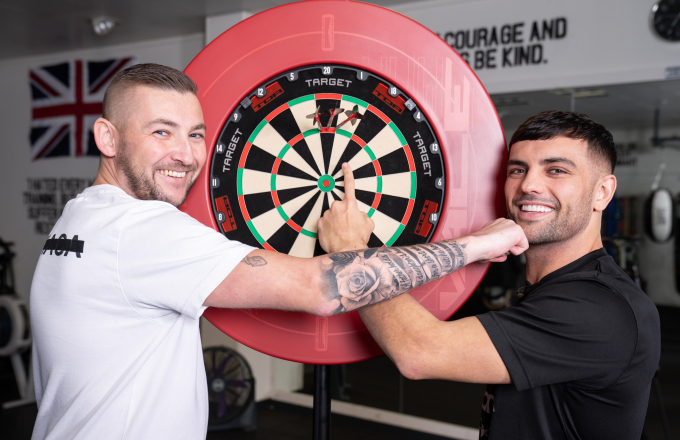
322, 402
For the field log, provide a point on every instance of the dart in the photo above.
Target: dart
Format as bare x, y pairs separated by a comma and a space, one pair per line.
352, 115
317, 116
334, 112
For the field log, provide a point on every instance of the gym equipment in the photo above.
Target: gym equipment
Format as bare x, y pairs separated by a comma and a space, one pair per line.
15, 329
6, 268
659, 209
231, 390
290, 93
16, 332
660, 215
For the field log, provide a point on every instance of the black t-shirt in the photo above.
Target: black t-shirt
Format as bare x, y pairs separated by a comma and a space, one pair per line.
581, 347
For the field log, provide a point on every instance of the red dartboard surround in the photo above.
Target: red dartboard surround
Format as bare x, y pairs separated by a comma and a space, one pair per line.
398, 52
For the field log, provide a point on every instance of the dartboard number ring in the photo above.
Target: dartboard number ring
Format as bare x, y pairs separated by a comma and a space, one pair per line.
278, 167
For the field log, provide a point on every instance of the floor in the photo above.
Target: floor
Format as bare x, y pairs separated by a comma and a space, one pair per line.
378, 383
280, 421
275, 421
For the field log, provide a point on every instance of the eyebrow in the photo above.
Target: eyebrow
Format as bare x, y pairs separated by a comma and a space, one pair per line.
520, 163
557, 159
546, 161
163, 121
174, 124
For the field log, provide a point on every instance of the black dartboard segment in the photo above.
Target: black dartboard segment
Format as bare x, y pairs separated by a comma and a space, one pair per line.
277, 165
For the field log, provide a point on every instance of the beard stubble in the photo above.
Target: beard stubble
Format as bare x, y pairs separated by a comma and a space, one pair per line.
566, 224
143, 187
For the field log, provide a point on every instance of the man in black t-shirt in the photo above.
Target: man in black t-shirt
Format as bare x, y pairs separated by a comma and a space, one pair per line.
574, 359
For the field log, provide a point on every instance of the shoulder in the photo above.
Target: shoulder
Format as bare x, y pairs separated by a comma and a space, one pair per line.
592, 289
153, 214
585, 305
605, 288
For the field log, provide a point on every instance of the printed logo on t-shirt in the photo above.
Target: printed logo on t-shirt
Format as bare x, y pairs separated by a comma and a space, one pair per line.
63, 245
488, 408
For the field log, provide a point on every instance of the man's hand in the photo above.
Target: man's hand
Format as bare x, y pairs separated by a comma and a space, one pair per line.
495, 240
343, 227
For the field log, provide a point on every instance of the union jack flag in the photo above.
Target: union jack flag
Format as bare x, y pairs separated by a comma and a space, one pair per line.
66, 100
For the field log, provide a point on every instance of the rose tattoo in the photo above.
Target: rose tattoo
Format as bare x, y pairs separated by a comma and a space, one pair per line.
356, 279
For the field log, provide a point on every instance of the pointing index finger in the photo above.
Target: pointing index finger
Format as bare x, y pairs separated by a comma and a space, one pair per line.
349, 181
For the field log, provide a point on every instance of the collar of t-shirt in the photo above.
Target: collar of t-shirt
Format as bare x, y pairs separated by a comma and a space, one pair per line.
574, 266
104, 188
107, 188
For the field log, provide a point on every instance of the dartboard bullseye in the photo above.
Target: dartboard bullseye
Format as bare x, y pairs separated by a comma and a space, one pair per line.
290, 94
280, 153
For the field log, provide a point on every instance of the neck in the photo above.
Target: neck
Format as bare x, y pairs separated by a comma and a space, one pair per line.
105, 174
543, 259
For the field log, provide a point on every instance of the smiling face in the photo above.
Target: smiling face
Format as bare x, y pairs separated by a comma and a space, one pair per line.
550, 187
162, 144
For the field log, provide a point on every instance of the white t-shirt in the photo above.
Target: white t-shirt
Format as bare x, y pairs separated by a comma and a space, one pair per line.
114, 313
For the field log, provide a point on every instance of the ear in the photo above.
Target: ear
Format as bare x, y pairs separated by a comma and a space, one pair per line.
106, 137
604, 191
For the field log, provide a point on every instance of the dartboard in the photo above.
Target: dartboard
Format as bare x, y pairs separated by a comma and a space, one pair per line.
277, 165
290, 94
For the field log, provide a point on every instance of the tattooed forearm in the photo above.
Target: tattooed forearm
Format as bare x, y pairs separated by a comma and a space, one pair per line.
358, 278
254, 261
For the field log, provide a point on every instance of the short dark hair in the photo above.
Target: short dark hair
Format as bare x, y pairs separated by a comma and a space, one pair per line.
150, 75
550, 124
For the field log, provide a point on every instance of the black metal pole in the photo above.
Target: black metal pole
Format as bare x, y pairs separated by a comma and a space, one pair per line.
322, 402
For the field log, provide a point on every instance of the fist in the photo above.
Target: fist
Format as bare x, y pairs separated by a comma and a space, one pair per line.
496, 240
343, 227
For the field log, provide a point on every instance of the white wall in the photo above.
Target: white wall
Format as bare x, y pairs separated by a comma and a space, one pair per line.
216, 24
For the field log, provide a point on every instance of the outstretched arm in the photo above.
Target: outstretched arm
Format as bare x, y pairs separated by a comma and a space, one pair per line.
423, 347
345, 281
334, 283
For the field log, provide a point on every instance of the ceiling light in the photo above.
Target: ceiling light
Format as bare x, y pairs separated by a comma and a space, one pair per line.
103, 25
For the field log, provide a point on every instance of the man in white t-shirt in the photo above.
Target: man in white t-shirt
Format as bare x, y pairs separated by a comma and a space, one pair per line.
125, 275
